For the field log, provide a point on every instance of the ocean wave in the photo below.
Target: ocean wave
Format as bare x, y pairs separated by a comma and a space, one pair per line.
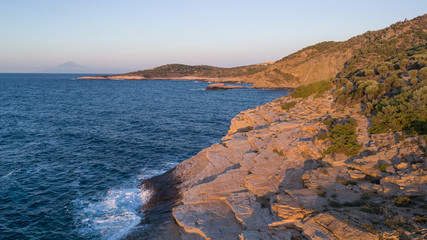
8, 174
114, 216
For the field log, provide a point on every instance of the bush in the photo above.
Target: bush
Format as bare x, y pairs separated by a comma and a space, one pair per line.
329, 121
322, 136
344, 139
402, 201
403, 63
288, 105
369, 228
383, 167
278, 152
413, 81
369, 73
423, 72
406, 111
413, 73
382, 69
312, 88
345, 181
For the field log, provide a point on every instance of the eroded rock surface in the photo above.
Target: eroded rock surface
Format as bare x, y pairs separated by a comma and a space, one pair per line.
269, 179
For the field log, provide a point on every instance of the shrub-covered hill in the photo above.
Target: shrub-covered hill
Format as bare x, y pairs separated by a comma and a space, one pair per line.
331, 59
199, 71
393, 92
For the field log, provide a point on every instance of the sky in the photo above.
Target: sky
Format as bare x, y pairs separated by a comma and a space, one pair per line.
111, 36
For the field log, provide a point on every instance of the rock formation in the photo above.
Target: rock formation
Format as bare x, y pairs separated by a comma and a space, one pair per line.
274, 175
222, 86
270, 179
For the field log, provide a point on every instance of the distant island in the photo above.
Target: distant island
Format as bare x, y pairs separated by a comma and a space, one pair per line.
187, 72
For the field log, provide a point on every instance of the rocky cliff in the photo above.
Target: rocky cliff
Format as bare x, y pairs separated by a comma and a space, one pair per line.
270, 179
343, 158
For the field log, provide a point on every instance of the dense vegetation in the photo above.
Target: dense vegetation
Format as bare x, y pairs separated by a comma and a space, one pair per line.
180, 70
392, 92
318, 87
343, 136
288, 105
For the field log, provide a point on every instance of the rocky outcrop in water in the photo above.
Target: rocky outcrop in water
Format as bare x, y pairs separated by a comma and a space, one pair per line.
222, 86
270, 179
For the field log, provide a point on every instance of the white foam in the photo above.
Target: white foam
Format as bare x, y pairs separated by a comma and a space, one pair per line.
114, 216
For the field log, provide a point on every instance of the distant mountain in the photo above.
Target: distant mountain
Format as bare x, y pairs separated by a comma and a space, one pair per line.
68, 67
71, 66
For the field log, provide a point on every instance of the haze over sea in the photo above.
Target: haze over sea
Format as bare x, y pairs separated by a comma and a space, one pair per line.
72, 152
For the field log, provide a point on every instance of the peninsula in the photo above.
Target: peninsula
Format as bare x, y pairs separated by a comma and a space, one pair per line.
343, 157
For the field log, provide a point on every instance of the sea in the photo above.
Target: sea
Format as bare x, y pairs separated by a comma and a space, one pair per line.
72, 152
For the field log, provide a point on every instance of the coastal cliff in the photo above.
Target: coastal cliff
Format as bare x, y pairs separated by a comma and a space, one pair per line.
270, 179
341, 158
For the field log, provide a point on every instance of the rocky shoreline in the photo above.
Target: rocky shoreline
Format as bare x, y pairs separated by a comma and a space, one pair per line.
222, 86
135, 77
270, 179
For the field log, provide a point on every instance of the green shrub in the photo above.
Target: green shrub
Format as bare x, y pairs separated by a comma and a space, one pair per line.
312, 88
288, 105
278, 152
413, 73
369, 73
369, 228
402, 201
382, 69
345, 181
423, 72
329, 121
344, 139
405, 111
372, 208
399, 83
322, 136
413, 81
420, 219
403, 63
383, 167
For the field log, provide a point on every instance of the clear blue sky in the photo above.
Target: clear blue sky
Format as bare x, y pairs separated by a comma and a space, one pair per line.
127, 35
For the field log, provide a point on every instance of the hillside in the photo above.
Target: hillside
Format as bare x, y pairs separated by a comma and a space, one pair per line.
323, 60
181, 71
331, 59
201, 71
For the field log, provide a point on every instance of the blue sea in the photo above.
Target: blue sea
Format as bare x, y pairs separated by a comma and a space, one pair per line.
73, 151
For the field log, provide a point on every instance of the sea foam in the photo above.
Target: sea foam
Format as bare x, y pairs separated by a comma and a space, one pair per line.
114, 216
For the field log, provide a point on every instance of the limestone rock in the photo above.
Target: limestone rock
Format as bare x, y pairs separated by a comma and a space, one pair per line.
269, 179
